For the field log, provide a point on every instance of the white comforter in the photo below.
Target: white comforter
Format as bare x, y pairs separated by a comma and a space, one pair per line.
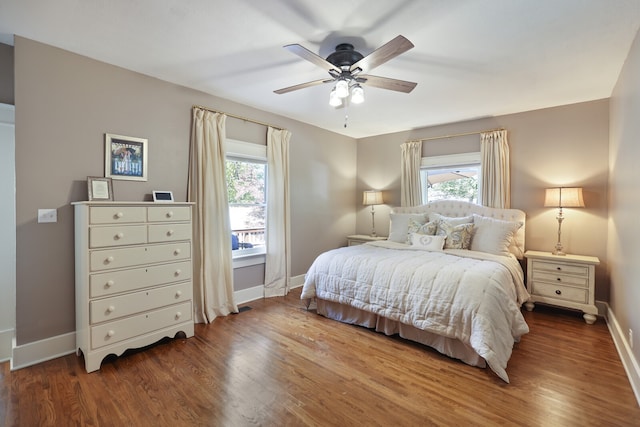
470, 296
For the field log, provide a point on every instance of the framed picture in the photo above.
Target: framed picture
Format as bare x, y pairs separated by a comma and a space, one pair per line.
162, 196
125, 157
99, 188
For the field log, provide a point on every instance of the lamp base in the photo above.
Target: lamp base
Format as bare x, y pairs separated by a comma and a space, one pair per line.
558, 252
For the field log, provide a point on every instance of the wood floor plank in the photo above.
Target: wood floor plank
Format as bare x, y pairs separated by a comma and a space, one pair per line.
281, 365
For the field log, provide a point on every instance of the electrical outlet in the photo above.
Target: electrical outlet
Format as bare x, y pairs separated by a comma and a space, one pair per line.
47, 215
631, 338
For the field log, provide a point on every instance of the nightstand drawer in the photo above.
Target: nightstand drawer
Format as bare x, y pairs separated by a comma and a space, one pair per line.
561, 268
561, 278
566, 293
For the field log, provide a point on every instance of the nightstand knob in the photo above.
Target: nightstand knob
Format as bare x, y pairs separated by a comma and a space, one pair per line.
169, 214
119, 236
558, 292
170, 233
178, 294
178, 315
559, 279
111, 333
109, 284
109, 259
177, 252
110, 309
119, 215
559, 268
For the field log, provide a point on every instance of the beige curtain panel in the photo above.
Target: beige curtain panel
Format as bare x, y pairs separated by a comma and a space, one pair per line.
496, 178
213, 263
278, 258
410, 189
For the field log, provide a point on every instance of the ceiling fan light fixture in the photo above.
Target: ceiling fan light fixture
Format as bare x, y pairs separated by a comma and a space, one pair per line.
334, 99
357, 94
342, 88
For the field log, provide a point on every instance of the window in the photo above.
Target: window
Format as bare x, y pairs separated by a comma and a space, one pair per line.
246, 173
455, 176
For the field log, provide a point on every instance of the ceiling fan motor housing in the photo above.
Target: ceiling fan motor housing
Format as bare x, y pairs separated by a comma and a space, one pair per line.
344, 56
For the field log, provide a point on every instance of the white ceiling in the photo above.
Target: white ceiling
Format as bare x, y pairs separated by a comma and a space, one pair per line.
472, 58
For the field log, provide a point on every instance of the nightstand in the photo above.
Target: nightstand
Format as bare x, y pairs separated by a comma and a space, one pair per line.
358, 239
562, 280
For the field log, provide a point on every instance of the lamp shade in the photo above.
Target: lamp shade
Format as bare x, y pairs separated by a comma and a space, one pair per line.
372, 197
563, 197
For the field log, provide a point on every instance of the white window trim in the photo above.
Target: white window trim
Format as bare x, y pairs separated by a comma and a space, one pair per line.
247, 151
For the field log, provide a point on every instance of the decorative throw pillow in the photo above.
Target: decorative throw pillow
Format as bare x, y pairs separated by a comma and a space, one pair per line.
420, 227
493, 235
427, 242
399, 225
457, 236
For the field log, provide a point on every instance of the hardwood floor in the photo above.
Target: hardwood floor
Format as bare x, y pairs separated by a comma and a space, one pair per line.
280, 365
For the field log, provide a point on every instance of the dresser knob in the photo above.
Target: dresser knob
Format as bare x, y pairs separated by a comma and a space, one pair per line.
111, 333
178, 294
559, 279
110, 259
177, 252
119, 215
109, 284
558, 292
110, 309
169, 214
178, 272
119, 236
178, 315
170, 233
559, 268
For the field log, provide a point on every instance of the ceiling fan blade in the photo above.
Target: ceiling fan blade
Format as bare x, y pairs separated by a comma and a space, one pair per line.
386, 83
305, 53
302, 86
383, 54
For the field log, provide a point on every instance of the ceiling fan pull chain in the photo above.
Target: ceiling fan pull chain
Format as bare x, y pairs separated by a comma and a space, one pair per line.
346, 114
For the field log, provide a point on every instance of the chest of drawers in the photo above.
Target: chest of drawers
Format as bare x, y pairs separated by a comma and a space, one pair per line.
133, 276
565, 281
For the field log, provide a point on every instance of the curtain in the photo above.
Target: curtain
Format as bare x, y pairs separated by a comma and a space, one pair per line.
207, 187
277, 270
411, 192
496, 179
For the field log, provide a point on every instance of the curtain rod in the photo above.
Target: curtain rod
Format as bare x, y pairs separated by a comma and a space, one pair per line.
456, 135
239, 117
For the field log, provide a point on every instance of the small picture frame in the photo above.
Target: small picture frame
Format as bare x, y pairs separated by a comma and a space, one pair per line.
163, 196
125, 157
100, 188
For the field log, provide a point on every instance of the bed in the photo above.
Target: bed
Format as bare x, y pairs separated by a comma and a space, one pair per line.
448, 277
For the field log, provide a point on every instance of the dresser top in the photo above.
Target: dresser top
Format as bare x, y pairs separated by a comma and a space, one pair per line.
548, 256
112, 203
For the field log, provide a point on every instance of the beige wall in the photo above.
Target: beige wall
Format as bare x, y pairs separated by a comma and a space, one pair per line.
64, 105
624, 198
555, 146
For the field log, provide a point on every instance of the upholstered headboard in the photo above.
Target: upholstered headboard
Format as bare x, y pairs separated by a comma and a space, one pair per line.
456, 209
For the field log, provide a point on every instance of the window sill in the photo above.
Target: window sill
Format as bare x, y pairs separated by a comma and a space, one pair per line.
249, 259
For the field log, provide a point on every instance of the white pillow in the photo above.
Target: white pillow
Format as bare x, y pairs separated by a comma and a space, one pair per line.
398, 228
427, 242
450, 219
493, 235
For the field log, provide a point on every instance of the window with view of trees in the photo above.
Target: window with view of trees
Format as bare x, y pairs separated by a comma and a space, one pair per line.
247, 193
454, 177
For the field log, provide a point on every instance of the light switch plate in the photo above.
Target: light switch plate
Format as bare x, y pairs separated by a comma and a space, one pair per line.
47, 215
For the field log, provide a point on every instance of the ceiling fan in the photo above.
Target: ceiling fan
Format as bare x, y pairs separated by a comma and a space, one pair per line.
347, 68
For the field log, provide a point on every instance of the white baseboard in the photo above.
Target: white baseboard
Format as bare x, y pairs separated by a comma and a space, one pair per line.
43, 350
6, 344
297, 281
250, 294
624, 350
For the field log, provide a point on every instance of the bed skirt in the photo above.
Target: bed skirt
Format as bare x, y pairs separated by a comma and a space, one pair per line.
448, 346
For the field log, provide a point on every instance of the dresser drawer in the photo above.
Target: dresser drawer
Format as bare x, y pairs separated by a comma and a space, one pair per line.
129, 327
113, 282
105, 309
566, 293
129, 257
121, 235
561, 268
116, 214
169, 232
169, 213
561, 278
